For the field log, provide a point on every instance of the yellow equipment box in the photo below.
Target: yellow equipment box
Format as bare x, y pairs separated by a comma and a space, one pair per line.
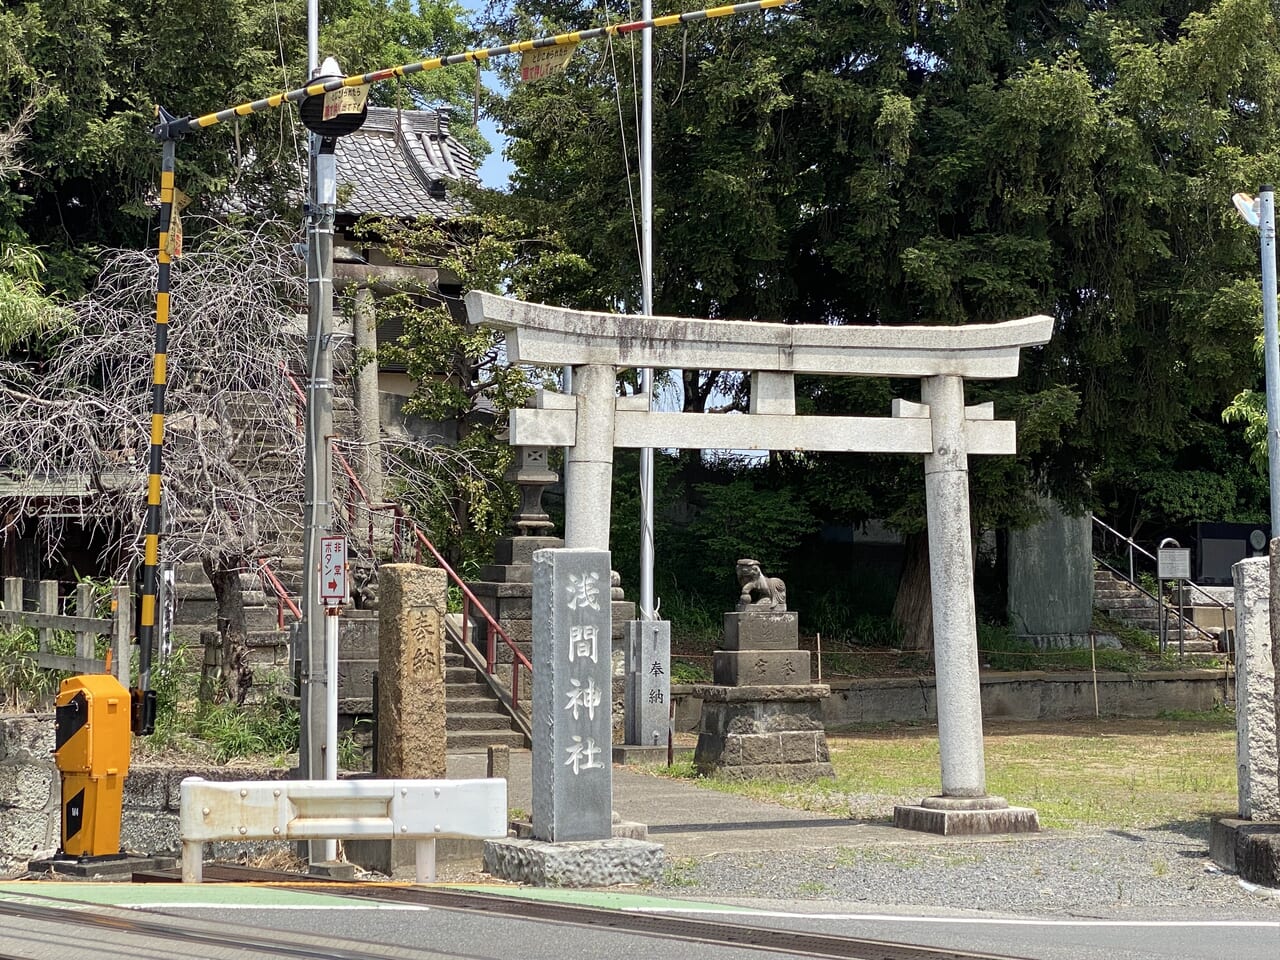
92, 742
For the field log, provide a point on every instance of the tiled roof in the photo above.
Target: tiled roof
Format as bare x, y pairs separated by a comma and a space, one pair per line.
390, 165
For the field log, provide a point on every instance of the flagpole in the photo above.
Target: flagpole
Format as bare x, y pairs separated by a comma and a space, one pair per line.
647, 611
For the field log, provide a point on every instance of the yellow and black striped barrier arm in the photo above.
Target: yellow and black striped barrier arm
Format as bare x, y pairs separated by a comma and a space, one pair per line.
188, 124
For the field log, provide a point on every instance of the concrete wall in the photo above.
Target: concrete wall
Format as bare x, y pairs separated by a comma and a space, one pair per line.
1007, 696
1051, 576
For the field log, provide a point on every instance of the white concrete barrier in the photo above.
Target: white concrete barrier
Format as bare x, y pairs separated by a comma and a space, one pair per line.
421, 810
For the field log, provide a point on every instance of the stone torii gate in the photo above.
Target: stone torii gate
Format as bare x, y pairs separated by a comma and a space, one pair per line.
593, 420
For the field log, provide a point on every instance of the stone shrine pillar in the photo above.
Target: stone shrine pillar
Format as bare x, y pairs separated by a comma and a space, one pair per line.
1256, 744
572, 667
647, 705
964, 806
411, 712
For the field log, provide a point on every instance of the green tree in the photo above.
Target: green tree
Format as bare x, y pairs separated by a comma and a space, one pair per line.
456, 369
942, 163
101, 67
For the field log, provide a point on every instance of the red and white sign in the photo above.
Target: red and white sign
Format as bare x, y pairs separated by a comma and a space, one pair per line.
333, 571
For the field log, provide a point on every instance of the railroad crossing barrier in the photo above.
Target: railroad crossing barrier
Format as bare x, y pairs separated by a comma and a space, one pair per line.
420, 810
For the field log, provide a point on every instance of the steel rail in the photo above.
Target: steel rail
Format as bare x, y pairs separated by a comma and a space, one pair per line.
187, 933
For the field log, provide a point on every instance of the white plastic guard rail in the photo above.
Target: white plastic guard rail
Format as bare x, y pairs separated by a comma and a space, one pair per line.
419, 810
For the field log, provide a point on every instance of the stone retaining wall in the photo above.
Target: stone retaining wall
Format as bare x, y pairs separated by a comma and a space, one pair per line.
30, 825
1031, 695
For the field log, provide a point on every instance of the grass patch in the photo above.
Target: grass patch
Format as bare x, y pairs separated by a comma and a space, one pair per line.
1076, 774
216, 732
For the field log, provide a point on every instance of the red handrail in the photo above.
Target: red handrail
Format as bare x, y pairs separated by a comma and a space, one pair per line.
470, 601
282, 595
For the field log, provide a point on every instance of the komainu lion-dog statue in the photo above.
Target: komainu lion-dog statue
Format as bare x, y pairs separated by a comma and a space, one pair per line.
758, 591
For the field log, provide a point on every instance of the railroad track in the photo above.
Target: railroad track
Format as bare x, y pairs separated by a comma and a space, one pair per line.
235, 942
711, 932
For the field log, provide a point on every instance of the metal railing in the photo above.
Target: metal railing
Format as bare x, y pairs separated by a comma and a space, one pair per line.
470, 603
283, 599
1161, 605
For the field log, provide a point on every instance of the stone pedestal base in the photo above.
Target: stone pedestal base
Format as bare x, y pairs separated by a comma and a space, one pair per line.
580, 863
763, 731
1250, 848
965, 816
761, 668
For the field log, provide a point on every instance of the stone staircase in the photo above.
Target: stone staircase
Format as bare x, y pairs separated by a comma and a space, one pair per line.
1124, 602
474, 717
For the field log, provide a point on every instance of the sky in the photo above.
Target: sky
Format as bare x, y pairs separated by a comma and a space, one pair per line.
496, 168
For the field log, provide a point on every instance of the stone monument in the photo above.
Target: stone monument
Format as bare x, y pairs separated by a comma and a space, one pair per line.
573, 842
762, 717
1249, 844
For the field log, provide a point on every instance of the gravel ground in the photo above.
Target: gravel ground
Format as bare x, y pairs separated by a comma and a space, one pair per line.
1161, 873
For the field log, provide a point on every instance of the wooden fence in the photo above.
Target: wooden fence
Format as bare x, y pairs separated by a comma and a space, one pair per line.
47, 618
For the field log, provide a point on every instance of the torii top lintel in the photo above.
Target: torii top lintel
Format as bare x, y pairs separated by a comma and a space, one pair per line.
539, 334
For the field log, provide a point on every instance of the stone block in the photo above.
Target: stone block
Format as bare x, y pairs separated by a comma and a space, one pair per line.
146, 787
802, 747
30, 834
797, 772
760, 630
357, 638
1248, 848
27, 737
964, 823
1256, 757
520, 549
355, 677
29, 786
584, 863
507, 573
760, 667
758, 748
572, 670
151, 832
411, 687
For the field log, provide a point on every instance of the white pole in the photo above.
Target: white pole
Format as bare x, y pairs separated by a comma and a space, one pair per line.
1267, 244
646, 304
313, 37
331, 713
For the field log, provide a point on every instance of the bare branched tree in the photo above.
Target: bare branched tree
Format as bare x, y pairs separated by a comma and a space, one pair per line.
233, 453
233, 456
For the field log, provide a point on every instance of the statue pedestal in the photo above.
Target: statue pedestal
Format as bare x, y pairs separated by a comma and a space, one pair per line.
773, 731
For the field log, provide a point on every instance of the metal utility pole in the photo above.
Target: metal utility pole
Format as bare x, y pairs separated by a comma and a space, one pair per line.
318, 753
647, 611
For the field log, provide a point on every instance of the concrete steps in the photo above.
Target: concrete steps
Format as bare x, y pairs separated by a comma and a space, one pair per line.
1121, 601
